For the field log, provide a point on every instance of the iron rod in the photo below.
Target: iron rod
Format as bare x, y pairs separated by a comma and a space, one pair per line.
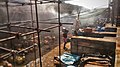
3, 27
5, 24
2, 5
9, 32
13, 22
51, 27
33, 34
59, 29
29, 33
39, 46
26, 21
26, 49
8, 18
4, 56
9, 50
35, 28
30, 28
113, 8
23, 27
44, 2
31, 3
43, 22
13, 37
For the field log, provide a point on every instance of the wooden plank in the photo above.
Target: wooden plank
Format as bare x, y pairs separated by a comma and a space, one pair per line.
95, 39
105, 32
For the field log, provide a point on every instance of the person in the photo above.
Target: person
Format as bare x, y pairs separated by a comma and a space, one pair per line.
80, 32
65, 32
101, 27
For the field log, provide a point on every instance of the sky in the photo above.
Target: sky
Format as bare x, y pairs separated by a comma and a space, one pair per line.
91, 4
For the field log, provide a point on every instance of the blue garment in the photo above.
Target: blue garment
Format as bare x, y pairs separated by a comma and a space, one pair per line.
100, 29
69, 59
80, 33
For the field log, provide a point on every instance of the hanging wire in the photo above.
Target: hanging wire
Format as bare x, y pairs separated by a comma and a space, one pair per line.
37, 23
33, 34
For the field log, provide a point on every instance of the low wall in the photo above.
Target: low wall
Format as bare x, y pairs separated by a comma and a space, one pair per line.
88, 45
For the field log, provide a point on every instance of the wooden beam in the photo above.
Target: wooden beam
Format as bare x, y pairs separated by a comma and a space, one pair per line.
94, 39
